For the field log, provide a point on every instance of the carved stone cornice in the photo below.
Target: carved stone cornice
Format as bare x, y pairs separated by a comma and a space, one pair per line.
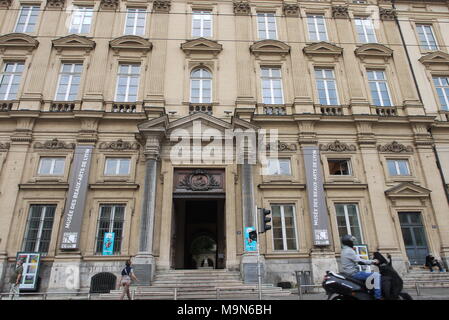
270, 47
291, 9
4, 146
109, 4
130, 42
281, 146
161, 6
199, 180
55, 4
119, 145
387, 14
54, 144
5, 3
338, 146
18, 41
201, 46
394, 147
73, 41
340, 12
242, 8
373, 50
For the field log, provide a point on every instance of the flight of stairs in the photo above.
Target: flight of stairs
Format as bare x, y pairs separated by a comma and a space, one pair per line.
439, 279
199, 284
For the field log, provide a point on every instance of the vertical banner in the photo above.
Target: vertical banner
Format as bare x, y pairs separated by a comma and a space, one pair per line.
30, 275
315, 192
74, 207
108, 243
250, 245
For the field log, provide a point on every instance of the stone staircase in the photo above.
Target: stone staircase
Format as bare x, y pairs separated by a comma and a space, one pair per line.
434, 279
207, 284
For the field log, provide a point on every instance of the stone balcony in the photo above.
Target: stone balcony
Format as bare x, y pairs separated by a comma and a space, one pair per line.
124, 107
8, 105
62, 106
206, 108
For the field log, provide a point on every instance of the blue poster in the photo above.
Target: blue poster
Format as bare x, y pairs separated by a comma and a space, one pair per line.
108, 244
250, 245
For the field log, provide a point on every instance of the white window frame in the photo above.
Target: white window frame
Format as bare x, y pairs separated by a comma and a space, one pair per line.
367, 25
128, 75
444, 90
284, 233
117, 166
348, 225
265, 26
315, 19
378, 91
276, 162
14, 74
397, 168
41, 227
271, 80
27, 24
426, 45
326, 82
111, 224
52, 166
137, 12
206, 76
82, 12
71, 74
202, 16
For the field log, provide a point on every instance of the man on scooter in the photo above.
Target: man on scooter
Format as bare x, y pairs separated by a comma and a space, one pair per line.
350, 262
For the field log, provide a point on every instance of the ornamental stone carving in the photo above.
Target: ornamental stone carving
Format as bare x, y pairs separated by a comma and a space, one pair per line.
119, 145
57, 4
109, 4
199, 180
5, 3
291, 9
161, 6
4, 146
394, 147
54, 145
281, 146
340, 12
242, 8
338, 146
387, 14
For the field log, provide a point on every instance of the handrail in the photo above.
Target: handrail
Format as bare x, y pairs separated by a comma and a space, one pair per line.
417, 282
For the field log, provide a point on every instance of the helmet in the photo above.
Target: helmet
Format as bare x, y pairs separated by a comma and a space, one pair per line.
348, 240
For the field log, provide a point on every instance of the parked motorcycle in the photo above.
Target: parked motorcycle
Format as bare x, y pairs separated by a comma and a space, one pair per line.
340, 286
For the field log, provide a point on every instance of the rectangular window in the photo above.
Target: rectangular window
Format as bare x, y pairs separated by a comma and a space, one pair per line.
10, 80
317, 28
339, 167
326, 86
279, 167
348, 221
272, 86
27, 19
69, 81
81, 20
51, 166
442, 87
398, 167
39, 228
426, 37
111, 219
284, 227
201, 23
365, 30
266, 26
379, 88
117, 166
127, 83
135, 21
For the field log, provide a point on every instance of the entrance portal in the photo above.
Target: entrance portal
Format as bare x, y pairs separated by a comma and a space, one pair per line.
414, 237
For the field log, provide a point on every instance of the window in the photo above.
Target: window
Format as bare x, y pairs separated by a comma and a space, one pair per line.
200, 86
284, 227
365, 30
398, 167
442, 87
317, 28
266, 26
201, 23
81, 20
135, 21
27, 19
111, 219
127, 83
39, 228
51, 166
10, 80
326, 86
69, 81
279, 167
339, 167
272, 86
426, 37
379, 88
348, 221
117, 166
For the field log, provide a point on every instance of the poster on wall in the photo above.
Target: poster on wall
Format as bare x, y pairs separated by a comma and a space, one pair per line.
108, 243
250, 245
361, 250
31, 263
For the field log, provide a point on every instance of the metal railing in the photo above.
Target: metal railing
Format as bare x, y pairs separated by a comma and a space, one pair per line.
417, 282
45, 295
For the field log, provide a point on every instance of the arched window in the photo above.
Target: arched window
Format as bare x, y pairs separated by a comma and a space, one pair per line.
200, 86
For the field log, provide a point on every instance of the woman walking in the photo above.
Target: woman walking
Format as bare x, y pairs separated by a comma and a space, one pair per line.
127, 275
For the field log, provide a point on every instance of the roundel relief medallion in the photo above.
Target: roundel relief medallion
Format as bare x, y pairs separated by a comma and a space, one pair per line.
199, 180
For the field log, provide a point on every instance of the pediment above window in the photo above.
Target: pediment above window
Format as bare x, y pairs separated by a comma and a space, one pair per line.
73, 41
270, 47
18, 41
134, 43
437, 57
373, 50
407, 190
201, 45
323, 48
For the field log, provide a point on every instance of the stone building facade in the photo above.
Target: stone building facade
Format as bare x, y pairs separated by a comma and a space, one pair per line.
131, 80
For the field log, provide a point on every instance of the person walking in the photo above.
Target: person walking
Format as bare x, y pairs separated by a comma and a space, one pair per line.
15, 280
127, 276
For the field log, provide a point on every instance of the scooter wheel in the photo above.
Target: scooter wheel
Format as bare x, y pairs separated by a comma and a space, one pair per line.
342, 298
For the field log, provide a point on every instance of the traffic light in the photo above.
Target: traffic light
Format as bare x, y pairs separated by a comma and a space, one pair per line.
264, 219
253, 235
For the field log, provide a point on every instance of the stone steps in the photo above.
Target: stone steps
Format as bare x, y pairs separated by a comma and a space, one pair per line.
432, 279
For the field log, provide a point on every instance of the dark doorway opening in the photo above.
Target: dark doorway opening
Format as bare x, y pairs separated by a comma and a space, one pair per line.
414, 237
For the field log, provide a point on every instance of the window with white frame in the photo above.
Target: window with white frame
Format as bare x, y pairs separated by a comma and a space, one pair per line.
284, 227
53, 166
339, 167
442, 86
316, 25
266, 25
69, 81
200, 86
426, 37
272, 92
398, 167
127, 83
27, 19
348, 221
110, 219
379, 88
135, 21
201, 23
39, 228
81, 20
365, 30
326, 86
277, 167
10, 80
117, 166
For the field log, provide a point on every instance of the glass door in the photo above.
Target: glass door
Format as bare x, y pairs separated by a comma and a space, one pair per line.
414, 237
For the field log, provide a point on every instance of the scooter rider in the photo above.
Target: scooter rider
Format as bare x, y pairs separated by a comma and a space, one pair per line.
350, 261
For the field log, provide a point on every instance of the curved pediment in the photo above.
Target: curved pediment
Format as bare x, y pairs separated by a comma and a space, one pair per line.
201, 45
270, 47
323, 48
437, 57
73, 41
130, 42
18, 41
373, 50
407, 190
